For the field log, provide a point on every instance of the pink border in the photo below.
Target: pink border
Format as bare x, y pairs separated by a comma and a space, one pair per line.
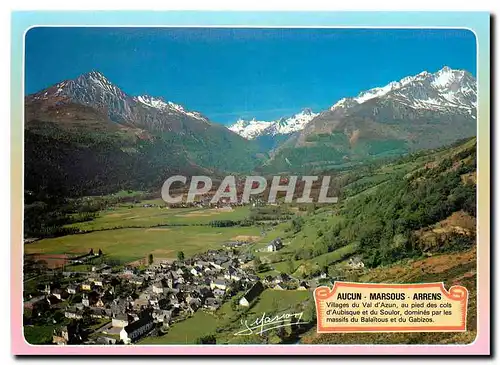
478, 348
481, 346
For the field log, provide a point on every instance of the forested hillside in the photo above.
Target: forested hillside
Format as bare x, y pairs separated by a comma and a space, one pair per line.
420, 205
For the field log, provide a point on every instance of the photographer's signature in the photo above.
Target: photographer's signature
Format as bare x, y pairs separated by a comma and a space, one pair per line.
266, 323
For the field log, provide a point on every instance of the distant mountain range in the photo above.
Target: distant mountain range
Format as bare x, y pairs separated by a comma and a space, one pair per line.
251, 129
427, 110
95, 90
438, 91
88, 136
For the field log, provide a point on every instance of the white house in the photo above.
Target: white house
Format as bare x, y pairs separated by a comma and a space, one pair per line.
85, 300
216, 265
96, 281
219, 284
136, 329
232, 274
219, 292
57, 293
274, 245
251, 294
137, 280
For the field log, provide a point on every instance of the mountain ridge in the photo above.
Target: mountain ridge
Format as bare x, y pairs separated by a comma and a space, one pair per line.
120, 141
95, 90
158, 137
251, 129
444, 81
440, 91
418, 112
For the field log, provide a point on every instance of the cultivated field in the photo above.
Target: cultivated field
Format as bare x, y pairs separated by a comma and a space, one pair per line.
129, 233
130, 244
136, 215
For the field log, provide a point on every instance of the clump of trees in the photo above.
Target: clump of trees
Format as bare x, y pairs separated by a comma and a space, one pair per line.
383, 224
180, 256
223, 223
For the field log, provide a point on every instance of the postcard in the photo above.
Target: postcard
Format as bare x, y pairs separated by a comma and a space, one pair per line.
245, 183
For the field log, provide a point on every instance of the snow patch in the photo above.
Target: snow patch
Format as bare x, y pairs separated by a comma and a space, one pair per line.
444, 89
160, 104
249, 129
254, 128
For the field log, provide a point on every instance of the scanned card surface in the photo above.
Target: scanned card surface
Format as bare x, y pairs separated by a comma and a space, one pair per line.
250, 183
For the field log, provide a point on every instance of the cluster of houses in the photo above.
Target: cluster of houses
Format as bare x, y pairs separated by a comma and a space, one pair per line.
134, 303
163, 293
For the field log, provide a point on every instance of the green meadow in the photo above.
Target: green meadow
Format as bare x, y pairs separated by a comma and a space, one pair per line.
131, 232
136, 215
187, 331
129, 244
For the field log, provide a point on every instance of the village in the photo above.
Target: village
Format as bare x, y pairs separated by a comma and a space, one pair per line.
107, 307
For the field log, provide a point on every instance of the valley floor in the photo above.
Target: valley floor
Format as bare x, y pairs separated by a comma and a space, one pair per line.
409, 221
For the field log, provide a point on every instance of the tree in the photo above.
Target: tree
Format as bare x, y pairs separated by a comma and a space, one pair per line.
180, 255
257, 264
297, 224
100, 252
91, 252
150, 259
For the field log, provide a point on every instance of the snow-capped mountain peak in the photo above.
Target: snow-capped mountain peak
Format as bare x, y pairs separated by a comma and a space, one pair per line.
98, 79
82, 87
251, 129
95, 90
94, 82
293, 124
446, 88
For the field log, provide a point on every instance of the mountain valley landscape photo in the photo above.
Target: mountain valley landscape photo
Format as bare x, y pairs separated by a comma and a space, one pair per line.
389, 116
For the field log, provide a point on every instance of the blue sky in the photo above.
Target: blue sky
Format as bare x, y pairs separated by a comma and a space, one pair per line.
231, 73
